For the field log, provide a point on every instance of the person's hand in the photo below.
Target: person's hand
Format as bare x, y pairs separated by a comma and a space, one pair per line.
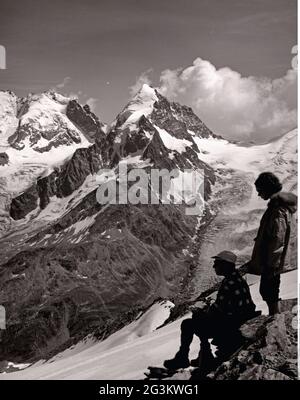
198, 306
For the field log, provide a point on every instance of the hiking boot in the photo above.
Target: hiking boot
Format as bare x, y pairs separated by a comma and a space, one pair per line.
179, 361
204, 363
205, 357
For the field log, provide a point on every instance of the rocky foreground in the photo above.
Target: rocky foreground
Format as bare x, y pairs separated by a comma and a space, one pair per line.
269, 351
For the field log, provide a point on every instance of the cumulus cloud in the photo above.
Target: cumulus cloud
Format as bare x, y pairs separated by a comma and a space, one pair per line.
143, 78
92, 102
234, 106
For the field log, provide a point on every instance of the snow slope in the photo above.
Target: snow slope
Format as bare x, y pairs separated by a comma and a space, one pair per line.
219, 152
126, 354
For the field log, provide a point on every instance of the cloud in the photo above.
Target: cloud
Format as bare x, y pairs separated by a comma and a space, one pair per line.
65, 82
143, 78
234, 106
92, 102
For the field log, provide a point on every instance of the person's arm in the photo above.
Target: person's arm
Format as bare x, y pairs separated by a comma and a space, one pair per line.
222, 300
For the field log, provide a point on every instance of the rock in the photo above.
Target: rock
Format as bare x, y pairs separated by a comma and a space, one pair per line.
3, 159
272, 375
254, 374
276, 337
85, 120
269, 352
290, 367
178, 119
61, 183
83, 163
254, 328
287, 305
243, 356
25, 203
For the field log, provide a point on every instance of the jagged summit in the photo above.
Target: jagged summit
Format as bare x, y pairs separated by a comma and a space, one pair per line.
146, 92
43, 121
148, 102
148, 113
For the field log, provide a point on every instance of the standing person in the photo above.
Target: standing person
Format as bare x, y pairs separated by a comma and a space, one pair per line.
272, 240
232, 307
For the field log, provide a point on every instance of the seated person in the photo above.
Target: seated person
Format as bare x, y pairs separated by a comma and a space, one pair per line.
233, 306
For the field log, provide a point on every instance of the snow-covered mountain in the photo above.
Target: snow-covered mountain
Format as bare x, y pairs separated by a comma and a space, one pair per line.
41, 131
38, 134
71, 266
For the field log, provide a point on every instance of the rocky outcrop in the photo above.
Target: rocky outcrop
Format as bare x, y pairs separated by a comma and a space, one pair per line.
124, 142
57, 135
270, 349
60, 183
25, 203
3, 159
85, 119
178, 119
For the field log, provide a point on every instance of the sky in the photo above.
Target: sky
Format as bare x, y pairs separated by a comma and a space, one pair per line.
230, 60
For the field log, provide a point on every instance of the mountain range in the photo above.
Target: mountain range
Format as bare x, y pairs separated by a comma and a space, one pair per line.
72, 267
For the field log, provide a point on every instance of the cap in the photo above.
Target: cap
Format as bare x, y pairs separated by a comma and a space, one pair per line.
228, 256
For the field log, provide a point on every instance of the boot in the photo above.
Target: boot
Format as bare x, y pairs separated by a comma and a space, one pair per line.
273, 308
204, 363
180, 360
205, 358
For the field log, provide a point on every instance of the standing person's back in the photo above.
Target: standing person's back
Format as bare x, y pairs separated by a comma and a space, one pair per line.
269, 254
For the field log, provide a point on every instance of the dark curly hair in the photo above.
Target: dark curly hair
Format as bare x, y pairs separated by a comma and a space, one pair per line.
269, 182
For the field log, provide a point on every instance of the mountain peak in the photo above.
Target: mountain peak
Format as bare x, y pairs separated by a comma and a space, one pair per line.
146, 92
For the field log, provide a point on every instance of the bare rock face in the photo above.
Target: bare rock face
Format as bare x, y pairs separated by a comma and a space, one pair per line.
178, 119
84, 119
3, 159
61, 183
24, 204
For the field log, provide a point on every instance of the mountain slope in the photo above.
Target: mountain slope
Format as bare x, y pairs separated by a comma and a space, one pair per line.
71, 265
126, 354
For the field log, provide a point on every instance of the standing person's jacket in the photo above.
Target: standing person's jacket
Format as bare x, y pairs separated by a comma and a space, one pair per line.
233, 299
272, 240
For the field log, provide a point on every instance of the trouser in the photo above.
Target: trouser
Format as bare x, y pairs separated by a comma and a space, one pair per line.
269, 288
206, 326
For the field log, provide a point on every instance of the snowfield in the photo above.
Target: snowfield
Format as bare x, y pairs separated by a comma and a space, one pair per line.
256, 158
127, 353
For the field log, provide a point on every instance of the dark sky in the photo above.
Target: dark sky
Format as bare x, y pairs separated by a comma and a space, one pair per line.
104, 45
